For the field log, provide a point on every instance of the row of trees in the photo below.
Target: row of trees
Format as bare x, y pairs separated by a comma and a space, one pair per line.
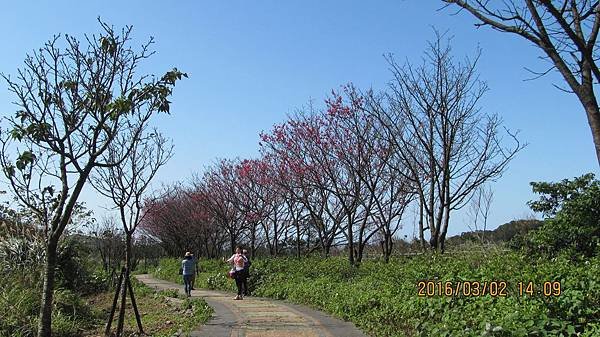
344, 175
82, 108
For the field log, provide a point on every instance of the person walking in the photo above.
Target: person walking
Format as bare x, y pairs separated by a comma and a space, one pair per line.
188, 268
197, 264
237, 260
247, 264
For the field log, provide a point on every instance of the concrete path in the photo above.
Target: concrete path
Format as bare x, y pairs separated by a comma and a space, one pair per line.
259, 317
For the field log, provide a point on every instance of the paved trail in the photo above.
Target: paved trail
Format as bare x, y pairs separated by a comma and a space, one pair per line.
259, 317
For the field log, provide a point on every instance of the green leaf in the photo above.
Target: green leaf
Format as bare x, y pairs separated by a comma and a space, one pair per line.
17, 133
26, 158
9, 170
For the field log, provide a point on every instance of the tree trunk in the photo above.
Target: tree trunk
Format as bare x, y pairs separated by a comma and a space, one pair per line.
275, 236
253, 241
45, 317
387, 245
359, 253
433, 230
421, 228
124, 285
326, 246
297, 239
268, 238
593, 116
308, 238
232, 240
445, 210
433, 241
350, 243
442, 240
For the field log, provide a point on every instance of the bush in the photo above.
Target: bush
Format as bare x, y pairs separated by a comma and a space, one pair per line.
573, 226
218, 280
20, 306
71, 269
21, 254
168, 269
20, 287
70, 304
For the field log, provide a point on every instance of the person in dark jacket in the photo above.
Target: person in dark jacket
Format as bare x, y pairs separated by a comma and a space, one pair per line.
195, 271
246, 272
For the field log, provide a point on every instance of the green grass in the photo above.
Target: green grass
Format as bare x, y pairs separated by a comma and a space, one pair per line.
159, 316
20, 308
20, 303
382, 299
74, 315
170, 293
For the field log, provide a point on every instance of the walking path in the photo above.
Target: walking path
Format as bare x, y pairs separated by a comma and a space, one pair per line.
259, 317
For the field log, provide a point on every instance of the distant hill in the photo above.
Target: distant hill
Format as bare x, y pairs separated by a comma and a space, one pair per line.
503, 233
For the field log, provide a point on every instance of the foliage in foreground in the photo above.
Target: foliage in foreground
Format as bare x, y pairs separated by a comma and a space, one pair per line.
74, 315
160, 317
572, 227
382, 299
82, 296
20, 284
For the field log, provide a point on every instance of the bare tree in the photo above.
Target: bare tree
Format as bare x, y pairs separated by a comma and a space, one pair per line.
108, 241
479, 210
381, 194
439, 133
74, 99
566, 31
126, 185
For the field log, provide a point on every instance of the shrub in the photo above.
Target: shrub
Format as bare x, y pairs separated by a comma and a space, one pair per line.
218, 280
20, 285
168, 269
573, 226
20, 306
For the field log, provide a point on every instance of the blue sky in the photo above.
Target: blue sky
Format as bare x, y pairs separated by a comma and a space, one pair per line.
253, 62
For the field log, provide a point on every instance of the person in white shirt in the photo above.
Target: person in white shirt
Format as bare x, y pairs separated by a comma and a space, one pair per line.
238, 260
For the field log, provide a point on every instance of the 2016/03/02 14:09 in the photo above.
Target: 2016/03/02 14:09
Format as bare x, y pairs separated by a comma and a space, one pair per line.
430, 288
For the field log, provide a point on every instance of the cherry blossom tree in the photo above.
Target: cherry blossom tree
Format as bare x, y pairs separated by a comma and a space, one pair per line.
301, 161
180, 221
218, 188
